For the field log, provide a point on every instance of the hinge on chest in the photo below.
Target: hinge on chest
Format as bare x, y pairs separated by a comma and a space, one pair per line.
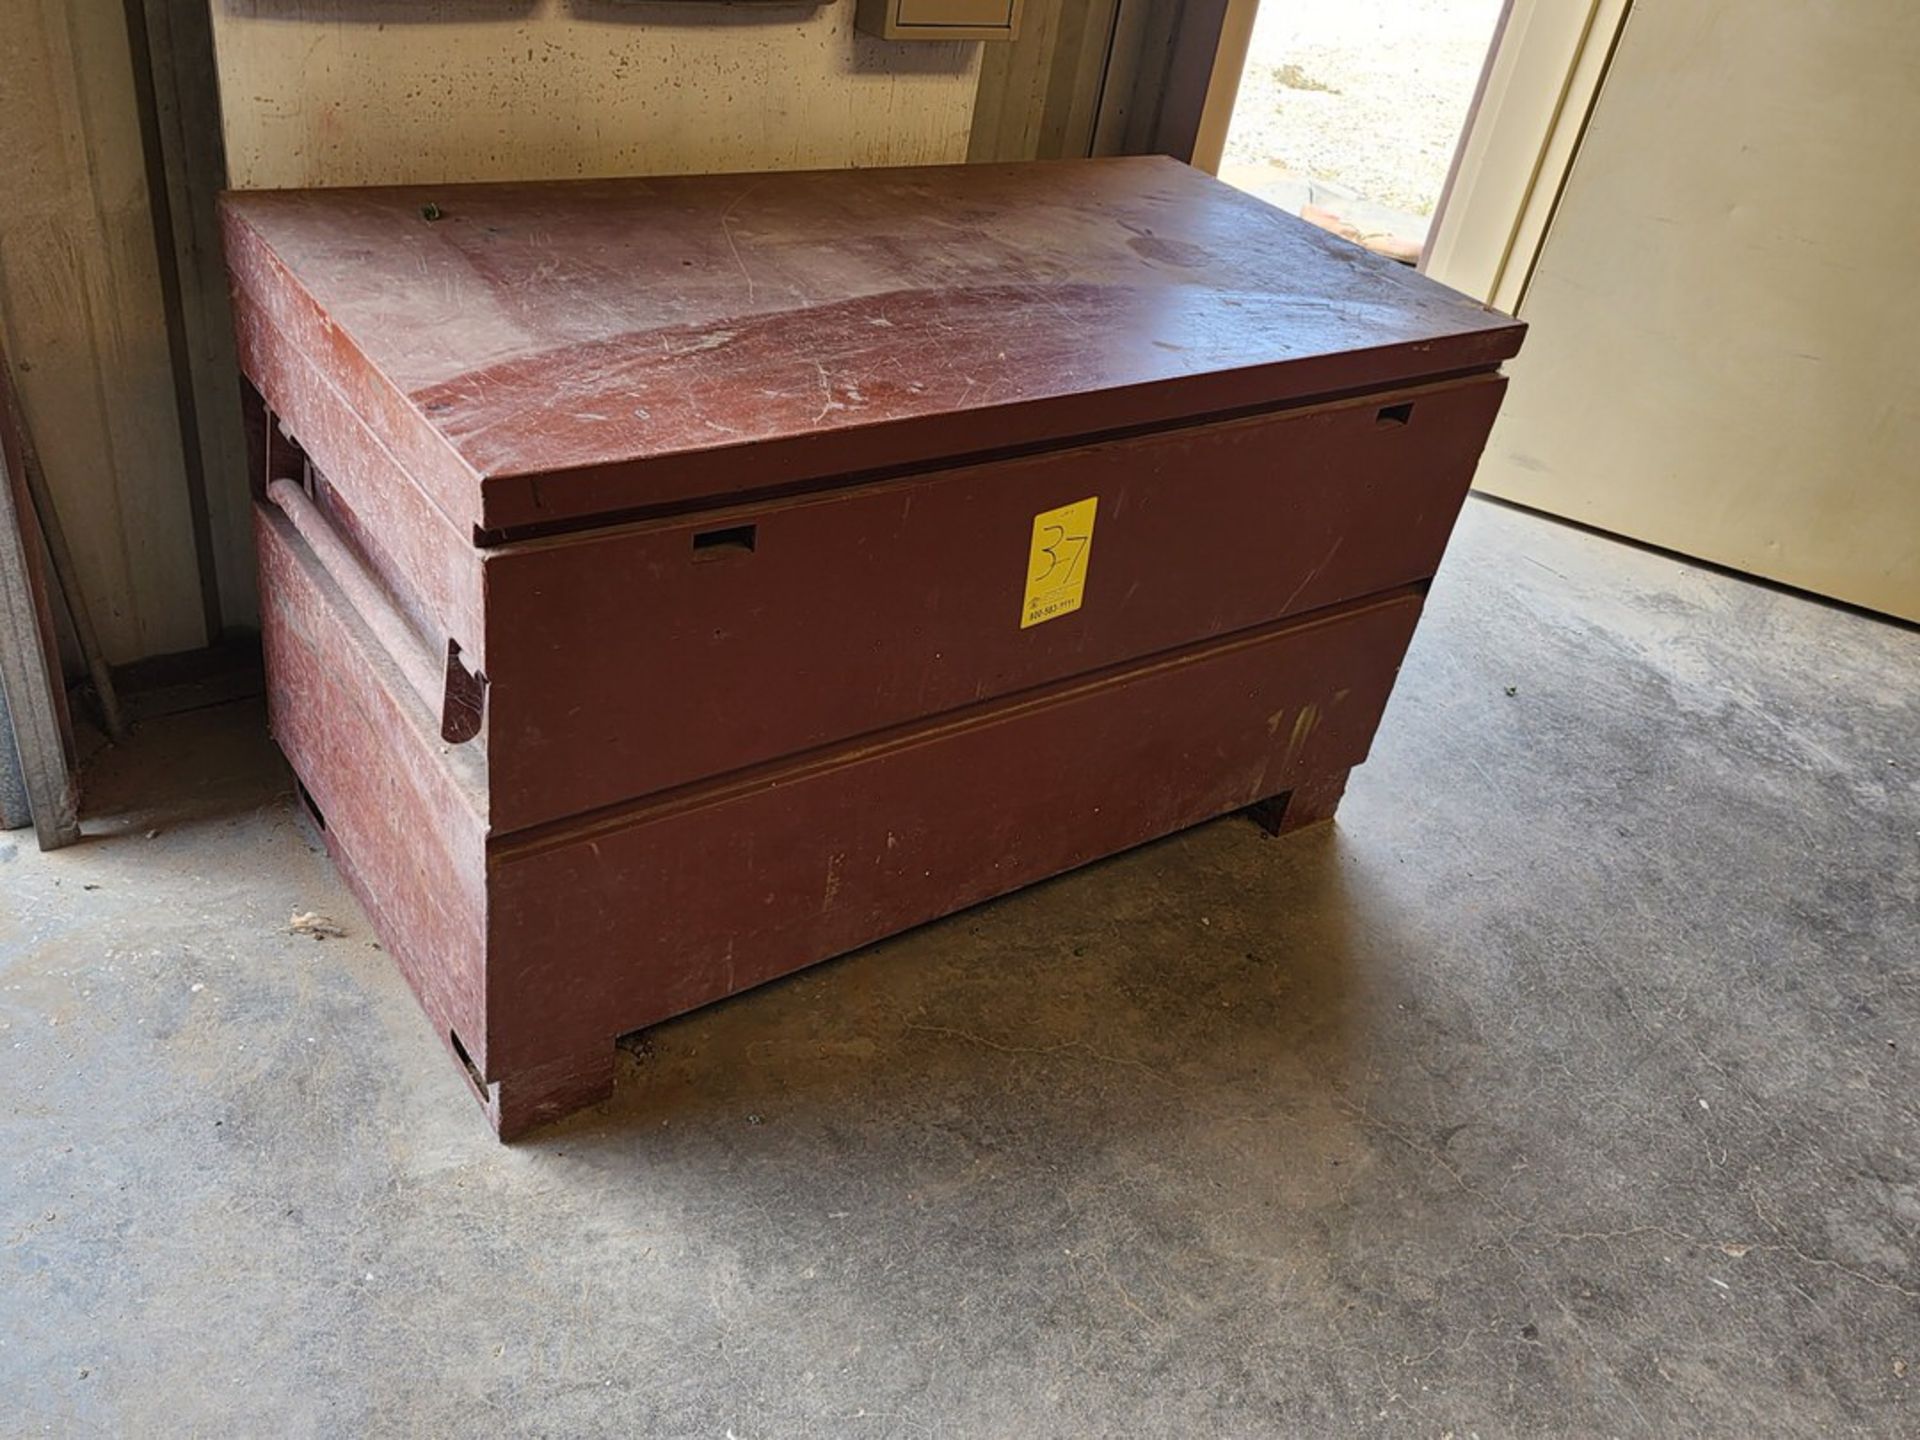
465, 699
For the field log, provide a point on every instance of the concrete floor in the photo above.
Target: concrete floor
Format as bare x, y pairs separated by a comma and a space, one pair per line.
1568, 1086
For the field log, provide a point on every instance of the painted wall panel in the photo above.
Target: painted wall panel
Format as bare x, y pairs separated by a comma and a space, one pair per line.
1721, 358
334, 92
80, 309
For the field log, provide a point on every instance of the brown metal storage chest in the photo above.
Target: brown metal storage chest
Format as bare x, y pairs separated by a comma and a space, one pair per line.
671, 583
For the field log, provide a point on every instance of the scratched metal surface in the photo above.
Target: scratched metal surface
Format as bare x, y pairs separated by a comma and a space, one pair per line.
561, 350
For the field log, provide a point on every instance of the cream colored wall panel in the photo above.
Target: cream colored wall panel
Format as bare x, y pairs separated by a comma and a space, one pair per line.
1548, 60
1039, 96
80, 308
574, 87
1722, 358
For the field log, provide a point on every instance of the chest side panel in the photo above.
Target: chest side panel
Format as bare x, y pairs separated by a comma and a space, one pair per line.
403, 816
281, 326
424, 561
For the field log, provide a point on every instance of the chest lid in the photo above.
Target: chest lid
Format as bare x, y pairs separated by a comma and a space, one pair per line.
544, 353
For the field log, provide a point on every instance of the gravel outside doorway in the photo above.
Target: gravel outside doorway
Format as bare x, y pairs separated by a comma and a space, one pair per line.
1353, 107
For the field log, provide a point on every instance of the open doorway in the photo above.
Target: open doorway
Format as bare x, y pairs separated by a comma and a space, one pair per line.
1349, 111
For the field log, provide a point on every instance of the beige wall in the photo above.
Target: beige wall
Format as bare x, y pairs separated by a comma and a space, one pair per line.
80, 311
1722, 358
345, 92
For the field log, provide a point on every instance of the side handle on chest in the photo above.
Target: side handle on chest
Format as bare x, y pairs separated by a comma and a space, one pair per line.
447, 687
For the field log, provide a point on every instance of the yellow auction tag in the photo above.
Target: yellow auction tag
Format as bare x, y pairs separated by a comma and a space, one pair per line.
1057, 565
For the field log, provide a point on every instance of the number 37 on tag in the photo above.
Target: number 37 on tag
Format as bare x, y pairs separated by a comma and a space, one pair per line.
1057, 563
